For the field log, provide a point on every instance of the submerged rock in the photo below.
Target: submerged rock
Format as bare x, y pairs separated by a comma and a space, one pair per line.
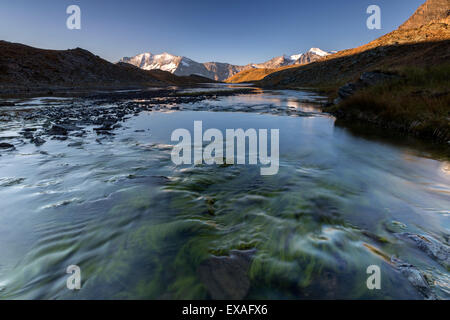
58, 130
226, 277
415, 277
433, 248
38, 141
75, 144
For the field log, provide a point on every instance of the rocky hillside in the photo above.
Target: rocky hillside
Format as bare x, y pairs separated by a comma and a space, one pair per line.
28, 69
432, 10
25, 67
425, 45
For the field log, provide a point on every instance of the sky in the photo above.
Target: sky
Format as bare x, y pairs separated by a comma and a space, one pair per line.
233, 31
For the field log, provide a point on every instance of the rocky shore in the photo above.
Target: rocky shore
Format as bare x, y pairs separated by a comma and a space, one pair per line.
61, 118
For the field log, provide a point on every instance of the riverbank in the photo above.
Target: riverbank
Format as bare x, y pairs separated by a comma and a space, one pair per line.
415, 101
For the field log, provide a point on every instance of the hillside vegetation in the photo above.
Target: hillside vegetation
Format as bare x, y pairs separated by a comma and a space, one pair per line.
250, 75
417, 102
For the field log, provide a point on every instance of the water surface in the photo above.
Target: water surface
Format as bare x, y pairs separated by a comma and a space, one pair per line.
140, 227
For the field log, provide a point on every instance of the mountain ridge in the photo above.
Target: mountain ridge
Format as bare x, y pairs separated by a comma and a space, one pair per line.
431, 10
393, 49
27, 69
220, 71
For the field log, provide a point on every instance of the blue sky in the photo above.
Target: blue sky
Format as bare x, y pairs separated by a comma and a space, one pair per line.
235, 31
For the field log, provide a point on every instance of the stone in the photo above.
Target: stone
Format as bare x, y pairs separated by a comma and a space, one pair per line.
415, 277
5, 145
433, 248
38, 141
58, 130
226, 277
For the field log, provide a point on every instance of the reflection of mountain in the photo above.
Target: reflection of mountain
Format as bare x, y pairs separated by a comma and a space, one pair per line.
183, 66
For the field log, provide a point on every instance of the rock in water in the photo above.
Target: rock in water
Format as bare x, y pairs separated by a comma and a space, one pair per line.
415, 277
227, 277
5, 145
58, 130
433, 248
38, 141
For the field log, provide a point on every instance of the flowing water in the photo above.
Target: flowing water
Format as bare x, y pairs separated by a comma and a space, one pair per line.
140, 227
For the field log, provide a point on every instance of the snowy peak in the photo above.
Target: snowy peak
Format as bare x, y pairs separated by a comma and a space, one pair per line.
182, 66
311, 55
318, 52
295, 57
148, 61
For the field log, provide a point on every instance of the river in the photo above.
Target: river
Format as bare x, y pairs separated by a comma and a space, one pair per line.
140, 227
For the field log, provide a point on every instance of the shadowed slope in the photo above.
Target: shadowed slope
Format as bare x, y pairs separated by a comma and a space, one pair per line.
28, 69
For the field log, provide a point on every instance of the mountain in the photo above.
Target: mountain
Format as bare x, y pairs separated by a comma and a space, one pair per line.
259, 71
182, 66
422, 40
397, 82
432, 10
27, 69
314, 54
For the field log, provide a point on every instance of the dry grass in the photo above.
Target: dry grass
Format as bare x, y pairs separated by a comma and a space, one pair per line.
249, 75
418, 103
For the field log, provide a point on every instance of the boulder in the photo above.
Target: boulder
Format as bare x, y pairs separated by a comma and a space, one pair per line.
5, 145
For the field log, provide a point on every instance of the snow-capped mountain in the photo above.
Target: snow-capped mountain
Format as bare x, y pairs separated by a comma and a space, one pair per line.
182, 66
149, 61
311, 55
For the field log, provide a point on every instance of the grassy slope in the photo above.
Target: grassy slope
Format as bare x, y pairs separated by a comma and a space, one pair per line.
418, 103
251, 75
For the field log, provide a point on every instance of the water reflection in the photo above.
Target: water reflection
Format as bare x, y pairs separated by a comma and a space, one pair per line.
141, 227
